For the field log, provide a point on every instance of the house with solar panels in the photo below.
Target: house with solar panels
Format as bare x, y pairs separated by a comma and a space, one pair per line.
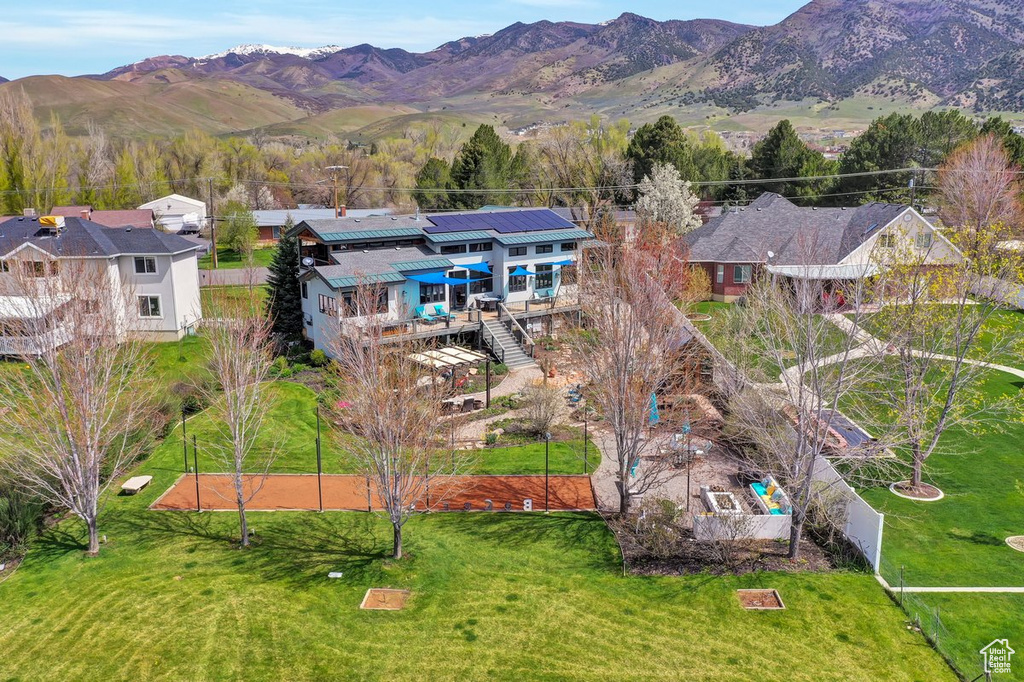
442, 271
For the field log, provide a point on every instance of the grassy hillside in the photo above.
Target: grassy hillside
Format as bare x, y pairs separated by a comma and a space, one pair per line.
144, 109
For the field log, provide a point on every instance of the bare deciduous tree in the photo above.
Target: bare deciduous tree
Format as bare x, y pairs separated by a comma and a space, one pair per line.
238, 334
935, 305
979, 190
627, 353
790, 331
78, 412
392, 413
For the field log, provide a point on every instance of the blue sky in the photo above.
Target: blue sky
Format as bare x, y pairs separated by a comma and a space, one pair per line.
72, 37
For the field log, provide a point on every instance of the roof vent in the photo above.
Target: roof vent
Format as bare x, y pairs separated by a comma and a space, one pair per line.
814, 208
394, 217
843, 208
357, 220
758, 210
128, 229
366, 251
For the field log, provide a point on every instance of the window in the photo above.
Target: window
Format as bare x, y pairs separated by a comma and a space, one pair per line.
453, 248
545, 248
305, 290
145, 265
720, 274
4, 266
741, 274
887, 241
484, 285
149, 306
923, 240
328, 306
349, 307
336, 247
477, 248
431, 293
90, 306
275, 231
517, 251
516, 282
569, 246
545, 278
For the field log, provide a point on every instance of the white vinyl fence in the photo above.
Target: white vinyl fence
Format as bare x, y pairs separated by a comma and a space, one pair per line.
864, 525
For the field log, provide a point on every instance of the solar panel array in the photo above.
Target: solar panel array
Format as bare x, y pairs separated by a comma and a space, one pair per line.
505, 222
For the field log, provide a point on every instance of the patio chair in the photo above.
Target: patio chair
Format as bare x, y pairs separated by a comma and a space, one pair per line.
441, 312
423, 316
542, 294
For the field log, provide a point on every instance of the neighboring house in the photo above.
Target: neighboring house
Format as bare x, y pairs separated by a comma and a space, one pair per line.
511, 255
161, 269
138, 217
271, 223
834, 244
176, 213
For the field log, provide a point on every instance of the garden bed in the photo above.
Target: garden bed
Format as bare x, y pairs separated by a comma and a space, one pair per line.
760, 600
920, 493
383, 599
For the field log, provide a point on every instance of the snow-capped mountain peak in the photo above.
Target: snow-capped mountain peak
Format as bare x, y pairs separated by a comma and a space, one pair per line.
255, 49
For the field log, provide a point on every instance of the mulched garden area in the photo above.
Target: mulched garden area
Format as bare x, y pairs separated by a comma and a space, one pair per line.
923, 491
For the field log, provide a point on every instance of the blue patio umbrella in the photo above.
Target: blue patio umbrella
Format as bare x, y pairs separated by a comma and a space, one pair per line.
655, 417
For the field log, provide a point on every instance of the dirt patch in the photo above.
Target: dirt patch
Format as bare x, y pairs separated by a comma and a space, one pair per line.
355, 493
383, 599
1016, 542
922, 492
760, 600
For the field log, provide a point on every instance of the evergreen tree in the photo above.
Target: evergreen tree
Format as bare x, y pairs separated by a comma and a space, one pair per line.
284, 299
484, 162
782, 154
1012, 142
660, 142
890, 142
432, 184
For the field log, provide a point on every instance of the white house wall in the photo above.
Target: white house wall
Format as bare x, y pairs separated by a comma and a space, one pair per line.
907, 226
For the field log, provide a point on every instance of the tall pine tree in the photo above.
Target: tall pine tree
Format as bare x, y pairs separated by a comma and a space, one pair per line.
284, 300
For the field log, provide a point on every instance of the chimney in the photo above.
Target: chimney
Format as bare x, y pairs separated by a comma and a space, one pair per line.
342, 211
28, 212
86, 213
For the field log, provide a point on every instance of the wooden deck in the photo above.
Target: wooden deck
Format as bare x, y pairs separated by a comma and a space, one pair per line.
465, 322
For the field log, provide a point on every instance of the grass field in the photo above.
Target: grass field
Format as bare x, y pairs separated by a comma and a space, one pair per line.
518, 596
229, 259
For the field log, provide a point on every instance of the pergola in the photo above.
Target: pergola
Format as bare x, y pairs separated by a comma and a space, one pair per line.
449, 357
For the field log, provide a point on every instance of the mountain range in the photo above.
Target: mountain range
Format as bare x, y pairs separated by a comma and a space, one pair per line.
890, 53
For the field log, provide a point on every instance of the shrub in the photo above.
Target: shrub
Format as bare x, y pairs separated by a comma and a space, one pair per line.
499, 369
318, 358
491, 438
20, 516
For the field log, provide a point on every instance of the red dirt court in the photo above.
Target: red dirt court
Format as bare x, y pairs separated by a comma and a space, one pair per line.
351, 493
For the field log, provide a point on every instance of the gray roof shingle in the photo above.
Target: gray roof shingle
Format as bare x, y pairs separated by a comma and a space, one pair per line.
84, 238
794, 234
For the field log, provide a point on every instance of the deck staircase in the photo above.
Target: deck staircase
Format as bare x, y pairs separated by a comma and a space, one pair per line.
504, 346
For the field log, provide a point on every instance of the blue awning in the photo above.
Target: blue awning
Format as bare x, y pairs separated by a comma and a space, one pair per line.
520, 271
436, 278
477, 267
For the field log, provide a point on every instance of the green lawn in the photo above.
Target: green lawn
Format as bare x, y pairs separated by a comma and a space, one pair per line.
291, 433
959, 540
992, 334
229, 259
206, 294
495, 596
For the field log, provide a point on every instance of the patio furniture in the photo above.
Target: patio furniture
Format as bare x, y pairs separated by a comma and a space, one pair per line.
488, 302
135, 484
441, 312
544, 293
423, 316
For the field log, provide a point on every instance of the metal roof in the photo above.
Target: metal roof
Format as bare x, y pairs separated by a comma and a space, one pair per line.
476, 235
370, 234
354, 280
425, 264
549, 236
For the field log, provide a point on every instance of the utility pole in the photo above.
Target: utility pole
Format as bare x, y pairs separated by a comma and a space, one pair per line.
334, 173
913, 188
213, 230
